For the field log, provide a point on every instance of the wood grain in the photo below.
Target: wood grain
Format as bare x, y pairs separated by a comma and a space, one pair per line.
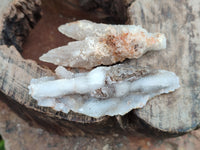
180, 21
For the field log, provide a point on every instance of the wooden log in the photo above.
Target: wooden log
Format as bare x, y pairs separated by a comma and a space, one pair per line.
16, 72
178, 112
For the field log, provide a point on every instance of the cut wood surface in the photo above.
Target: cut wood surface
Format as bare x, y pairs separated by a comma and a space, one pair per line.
176, 112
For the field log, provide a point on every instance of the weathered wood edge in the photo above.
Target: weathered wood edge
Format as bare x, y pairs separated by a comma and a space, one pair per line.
17, 20
179, 111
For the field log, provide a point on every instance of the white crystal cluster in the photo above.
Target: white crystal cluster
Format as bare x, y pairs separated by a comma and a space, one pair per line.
114, 90
102, 44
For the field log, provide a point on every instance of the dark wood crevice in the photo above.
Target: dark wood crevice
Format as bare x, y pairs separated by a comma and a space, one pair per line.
21, 19
116, 10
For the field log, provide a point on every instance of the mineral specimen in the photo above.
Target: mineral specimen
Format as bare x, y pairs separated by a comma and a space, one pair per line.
111, 91
102, 44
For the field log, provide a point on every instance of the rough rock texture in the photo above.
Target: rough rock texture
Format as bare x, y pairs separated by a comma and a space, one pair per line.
19, 135
179, 20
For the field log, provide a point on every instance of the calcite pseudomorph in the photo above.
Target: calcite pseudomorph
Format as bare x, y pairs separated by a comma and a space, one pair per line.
111, 91
102, 44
